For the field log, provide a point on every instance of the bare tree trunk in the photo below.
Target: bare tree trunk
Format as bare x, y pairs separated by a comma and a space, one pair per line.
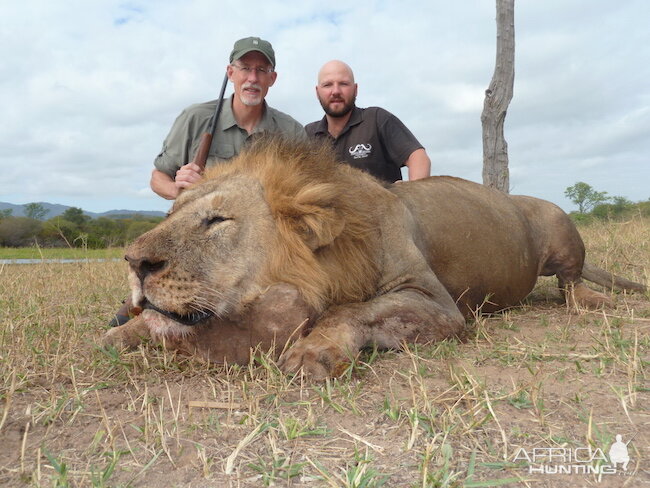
497, 98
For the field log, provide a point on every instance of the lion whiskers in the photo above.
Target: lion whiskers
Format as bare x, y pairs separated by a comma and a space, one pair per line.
215, 301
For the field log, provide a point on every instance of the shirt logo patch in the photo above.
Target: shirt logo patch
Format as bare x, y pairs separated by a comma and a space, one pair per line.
360, 151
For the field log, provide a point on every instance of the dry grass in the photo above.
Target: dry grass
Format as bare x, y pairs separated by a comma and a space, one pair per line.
449, 414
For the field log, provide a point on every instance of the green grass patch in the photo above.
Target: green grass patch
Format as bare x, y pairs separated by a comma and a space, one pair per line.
59, 253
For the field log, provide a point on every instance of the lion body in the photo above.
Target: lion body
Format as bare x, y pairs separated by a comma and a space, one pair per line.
368, 263
488, 248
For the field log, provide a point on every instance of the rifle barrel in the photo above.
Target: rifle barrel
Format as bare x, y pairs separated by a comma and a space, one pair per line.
201, 156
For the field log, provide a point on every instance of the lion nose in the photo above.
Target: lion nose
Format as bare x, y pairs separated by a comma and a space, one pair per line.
143, 267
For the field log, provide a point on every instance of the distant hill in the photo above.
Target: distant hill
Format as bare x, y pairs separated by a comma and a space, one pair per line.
55, 209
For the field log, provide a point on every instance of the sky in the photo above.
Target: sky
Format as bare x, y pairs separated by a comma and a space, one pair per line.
89, 89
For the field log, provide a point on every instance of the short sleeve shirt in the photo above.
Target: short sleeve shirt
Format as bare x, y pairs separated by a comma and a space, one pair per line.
373, 140
184, 138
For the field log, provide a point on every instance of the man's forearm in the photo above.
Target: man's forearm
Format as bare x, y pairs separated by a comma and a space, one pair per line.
419, 165
163, 185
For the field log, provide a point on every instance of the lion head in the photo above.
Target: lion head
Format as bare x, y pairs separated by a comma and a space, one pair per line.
279, 213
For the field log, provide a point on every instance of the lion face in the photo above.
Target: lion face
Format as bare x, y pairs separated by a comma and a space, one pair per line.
277, 213
206, 258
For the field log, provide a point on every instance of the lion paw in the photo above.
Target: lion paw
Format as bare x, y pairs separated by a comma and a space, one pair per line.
127, 336
315, 359
114, 338
583, 296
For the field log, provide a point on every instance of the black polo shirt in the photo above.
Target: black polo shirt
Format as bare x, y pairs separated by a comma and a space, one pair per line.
373, 140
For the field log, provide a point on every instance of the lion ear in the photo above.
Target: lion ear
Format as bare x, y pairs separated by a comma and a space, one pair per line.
320, 220
321, 227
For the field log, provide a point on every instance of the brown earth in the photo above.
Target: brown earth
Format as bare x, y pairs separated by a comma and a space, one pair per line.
448, 414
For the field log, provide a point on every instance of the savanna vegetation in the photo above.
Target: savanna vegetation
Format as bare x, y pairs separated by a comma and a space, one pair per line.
72, 229
597, 205
452, 414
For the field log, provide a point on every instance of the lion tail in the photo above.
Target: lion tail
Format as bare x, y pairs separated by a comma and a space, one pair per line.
605, 278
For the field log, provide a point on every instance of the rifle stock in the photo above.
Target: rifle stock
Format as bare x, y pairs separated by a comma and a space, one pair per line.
201, 156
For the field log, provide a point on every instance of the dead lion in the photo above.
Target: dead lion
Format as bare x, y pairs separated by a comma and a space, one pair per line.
284, 242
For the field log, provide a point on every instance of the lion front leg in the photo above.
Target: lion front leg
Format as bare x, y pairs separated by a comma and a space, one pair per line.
387, 321
127, 336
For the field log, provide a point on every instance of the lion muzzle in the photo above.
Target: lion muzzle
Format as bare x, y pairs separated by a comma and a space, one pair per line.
191, 319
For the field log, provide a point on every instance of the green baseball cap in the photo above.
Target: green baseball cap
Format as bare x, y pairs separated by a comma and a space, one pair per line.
248, 44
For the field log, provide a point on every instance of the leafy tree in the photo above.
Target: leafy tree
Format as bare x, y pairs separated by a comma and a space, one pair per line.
76, 216
106, 232
136, 229
19, 231
6, 213
59, 232
618, 207
644, 208
35, 211
585, 197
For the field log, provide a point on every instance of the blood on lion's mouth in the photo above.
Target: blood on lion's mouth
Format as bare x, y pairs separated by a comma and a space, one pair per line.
191, 319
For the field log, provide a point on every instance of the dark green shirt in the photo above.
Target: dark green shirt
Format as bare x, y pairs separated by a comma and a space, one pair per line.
183, 139
373, 140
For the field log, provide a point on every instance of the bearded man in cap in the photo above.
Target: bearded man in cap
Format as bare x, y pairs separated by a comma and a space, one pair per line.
245, 113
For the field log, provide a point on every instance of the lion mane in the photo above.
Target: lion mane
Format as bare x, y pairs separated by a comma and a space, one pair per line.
327, 245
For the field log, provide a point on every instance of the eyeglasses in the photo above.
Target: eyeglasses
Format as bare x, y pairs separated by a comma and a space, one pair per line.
257, 69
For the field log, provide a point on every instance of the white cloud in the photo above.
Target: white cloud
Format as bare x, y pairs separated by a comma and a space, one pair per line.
90, 89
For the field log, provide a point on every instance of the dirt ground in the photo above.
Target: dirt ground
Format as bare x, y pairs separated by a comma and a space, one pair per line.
534, 398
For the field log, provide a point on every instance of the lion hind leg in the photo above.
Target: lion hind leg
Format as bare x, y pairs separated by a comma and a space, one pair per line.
564, 253
566, 262
579, 295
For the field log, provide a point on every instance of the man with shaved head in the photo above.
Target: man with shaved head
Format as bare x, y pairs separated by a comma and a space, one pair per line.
371, 139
